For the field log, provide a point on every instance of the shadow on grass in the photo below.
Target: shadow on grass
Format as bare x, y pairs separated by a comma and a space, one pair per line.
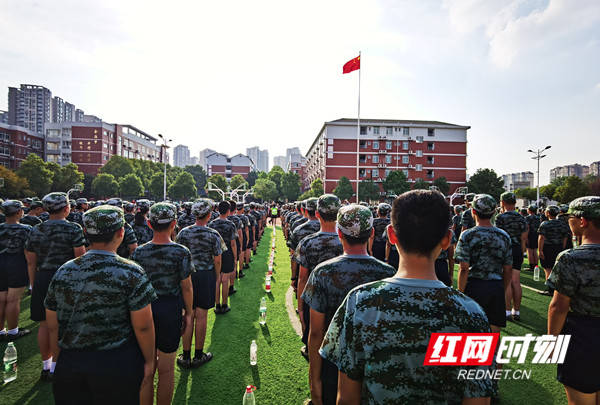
255, 376
266, 333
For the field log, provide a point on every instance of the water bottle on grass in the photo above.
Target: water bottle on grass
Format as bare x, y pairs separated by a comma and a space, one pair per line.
263, 311
10, 363
253, 353
536, 273
249, 396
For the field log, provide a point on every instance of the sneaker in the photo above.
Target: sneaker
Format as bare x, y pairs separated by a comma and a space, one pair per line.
509, 318
21, 333
546, 293
241, 274
46, 376
225, 309
198, 361
183, 362
304, 352
516, 317
232, 290
246, 266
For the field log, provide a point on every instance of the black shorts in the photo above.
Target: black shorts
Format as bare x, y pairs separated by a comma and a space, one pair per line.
532, 240
204, 284
550, 254
250, 238
99, 377
238, 244
244, 242
580, 369
166, 313
441, 271
517, 255
306, 330
329, 382
13, 271
38, 295
227, 263
379, 250
489, 294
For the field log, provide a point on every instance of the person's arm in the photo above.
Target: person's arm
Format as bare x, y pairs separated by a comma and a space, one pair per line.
463, 274
349, 390
524, 241
217, 262
233, 250
315, 338
143, 327
564, 242
52, 322
557, 313
187, 292
132, 247
451, 263
294, 265
541, 246
302, 279
371, 239
79, 251
31, 258
506, 275
388, 248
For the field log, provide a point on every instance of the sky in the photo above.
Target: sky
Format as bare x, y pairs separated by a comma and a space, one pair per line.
228, 75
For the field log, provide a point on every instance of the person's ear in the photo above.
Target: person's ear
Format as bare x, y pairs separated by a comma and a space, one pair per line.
583, 222
392, 235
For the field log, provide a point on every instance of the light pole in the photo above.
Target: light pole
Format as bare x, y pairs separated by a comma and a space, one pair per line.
538, 156
165, 146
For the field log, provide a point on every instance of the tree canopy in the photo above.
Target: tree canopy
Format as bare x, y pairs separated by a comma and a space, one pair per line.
14, 185
105, 185
237, 181
316, 188
184, 187
131, 186
486, 181
344, 189
265, 189
442, 184
420, 184
396, 183
118, 166
199, 175
368, 190
35, 171
290, 186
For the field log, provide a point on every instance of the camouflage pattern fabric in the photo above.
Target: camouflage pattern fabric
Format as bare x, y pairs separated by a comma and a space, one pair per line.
484, 204
297, 222
202, 207
236, 221
457, 223
162, 213
186, 220
204, 244
214, 215
330, 282
508, 197
129, 218
444, 253
103, 220
53, 242
311, 203
257, 215
13, 237
143, 233
564, 218
30, 220
587, 207
75, 216
380, 334
55, 201
93, 296
354, 220
328, 204
251, 219
533, 222
226, 229
380, 225
317, 248
466, 220
553, 210
514, 224
576, 274
487, 250
302, 231
44, 216
384, 209
554, 232
128, 239
11, 207
165, 265
469, 197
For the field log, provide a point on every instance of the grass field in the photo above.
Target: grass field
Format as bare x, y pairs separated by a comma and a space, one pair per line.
281, 373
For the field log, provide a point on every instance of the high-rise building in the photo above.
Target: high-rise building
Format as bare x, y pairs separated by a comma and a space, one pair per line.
423, 150
515, 181
204, 153
263, 161
569, 170
3, 117
181, 155
280, 161
16, 143
254, 154
595, 168
79, 115
29, 106
69, 112
193, 161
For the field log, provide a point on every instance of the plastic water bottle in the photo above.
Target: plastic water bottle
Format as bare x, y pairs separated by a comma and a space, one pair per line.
268, 284
263, 311
10, 363
253, 353
249, 396
536, 273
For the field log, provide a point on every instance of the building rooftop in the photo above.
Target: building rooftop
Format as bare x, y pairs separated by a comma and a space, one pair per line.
397, 122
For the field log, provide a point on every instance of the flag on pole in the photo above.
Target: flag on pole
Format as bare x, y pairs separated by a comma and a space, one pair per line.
352, 65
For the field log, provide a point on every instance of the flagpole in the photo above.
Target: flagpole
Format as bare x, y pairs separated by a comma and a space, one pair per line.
358, 134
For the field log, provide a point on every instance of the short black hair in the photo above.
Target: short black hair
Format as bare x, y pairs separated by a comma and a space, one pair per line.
311, 213
328, 217
421, 218
102, 238
144, 209
232, 205
160, 227
139, 219
358, 240
51, 212
483, 216
224, 207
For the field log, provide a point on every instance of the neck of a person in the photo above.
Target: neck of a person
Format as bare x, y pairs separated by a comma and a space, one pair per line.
327, 226
58, 216
508, 208
203, 221
223, 216
589, 237
12, 220
312, 218
415, 266
360, 249
162, 238
486, 223
107, 247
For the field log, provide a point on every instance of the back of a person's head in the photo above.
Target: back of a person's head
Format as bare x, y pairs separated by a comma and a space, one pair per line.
139, 219
232, 205
420, 218
224, 207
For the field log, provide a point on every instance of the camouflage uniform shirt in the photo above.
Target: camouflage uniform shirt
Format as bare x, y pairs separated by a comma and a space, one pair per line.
297, 222
380, 334
13, 237
214, 215
380, 225
186, 219
53, 242
75, 216
129, 218
30, 220
330, 282
553, 231
165, 265
44, 216
514, 224
576, 274
128, 239
226, 229
93, 296
467, 220
143, 233
457, 222
533, 222
316, 248
204, 244
487, 250
302, 231
236, 221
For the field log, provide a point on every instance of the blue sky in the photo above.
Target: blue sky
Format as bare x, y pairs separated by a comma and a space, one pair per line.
229, 75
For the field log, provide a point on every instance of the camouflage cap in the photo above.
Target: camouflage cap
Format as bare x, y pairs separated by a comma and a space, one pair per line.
72, 203
162, 213
384, 208
508, 197
469, 197
103, 220
552, 210
143, 203
115, 202
240, 206
311, 204
129, 206
564, 208
484, 204
55, 201
36, 204
28, 200
11, 207
303, 204
247, 208
587, 207
354, 220
201, 207
532, 207
328, 204
81, 201
364, 204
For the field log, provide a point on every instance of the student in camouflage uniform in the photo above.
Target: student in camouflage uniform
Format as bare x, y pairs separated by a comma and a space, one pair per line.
100, 320
533, 224
564, 217
251, 233
291, 217
444, 264
49, 246
257, 227
485, 256
130, 242
575, 306
391, 253
552, 239
377, 241
299, 220
456, 220
372, 339
143, 233
206, 246
245, 254
186, 219
328, 285
308, 227
466, 219
74, 215
13, 269
35, 208
515, 226
129, 215
239, 225
169, 267
229, 233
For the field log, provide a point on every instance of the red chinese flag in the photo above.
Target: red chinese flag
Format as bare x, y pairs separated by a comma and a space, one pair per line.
352, 65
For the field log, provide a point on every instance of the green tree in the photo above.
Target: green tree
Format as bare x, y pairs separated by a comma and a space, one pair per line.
307, 194
527, 193
442, 184
156, 186
265, 189
252, 176
420, 184
486, 181
87, 185
595, 188
290, 186
262, 175
396, 183
368, 190
14, 186
105, 185
184, 187
220, 182
237, 181
39, 177
118, 166
66, 177
547, 191
316, 188
131, 186
199, 175
572, 188
275, 175
344, 189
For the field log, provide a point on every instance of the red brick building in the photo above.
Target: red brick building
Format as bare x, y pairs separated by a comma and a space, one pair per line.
421, 149
219, 163
16, 143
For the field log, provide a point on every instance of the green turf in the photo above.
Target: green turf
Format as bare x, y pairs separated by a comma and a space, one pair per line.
281, 373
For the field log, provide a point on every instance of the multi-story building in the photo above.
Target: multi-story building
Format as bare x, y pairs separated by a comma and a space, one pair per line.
298, 167
193, 161
29, 106
79, 114
421, 149
569, 170
16, 143
515, 181
62, 111
219, 163
91, 144
181, 156
260, 158
280, 161
3, 117
595, 168
204, 153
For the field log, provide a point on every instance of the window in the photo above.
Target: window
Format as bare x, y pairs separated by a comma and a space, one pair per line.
419, 139
405, 171
363, 130
362, 158
375, 159
419, 167
105, 145
387, 172
105, 157
405, 159
376, 130
430, 174
330, 141
363, 144
388, 145
375, 144
404, 145
329, 155
404, 131
52, 145
430, 146
361, 172
430, 131
5, 151
388, 158
375, 173
430, 160
419, 153
388, 130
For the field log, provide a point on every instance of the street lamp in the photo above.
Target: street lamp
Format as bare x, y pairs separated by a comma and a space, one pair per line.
165, 146
538, 156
